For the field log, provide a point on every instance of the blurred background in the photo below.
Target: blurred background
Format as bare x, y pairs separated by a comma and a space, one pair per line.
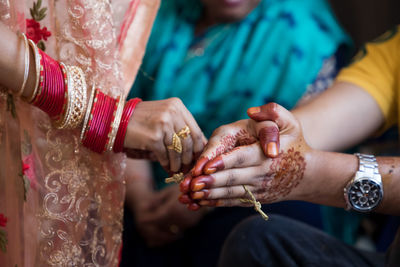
366, 19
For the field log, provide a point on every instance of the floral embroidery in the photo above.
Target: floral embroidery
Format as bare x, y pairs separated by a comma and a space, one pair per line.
3, 220
3, 234
33, 30
28, 173
28, 166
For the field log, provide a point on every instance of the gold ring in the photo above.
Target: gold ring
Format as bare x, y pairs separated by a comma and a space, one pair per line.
176, 144
176, 178
184, 132
174, 229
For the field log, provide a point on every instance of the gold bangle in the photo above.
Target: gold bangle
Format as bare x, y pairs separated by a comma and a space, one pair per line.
38, 59
77, 99
88, 111
27, 63
115, 124
79, 106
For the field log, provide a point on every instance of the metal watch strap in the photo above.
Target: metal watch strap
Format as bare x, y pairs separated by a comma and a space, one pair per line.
368, 164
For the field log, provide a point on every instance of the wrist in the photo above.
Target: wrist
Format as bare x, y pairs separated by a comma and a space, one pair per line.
326, 175
129, 127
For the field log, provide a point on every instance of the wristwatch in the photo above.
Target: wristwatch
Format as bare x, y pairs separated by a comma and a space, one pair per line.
365, 191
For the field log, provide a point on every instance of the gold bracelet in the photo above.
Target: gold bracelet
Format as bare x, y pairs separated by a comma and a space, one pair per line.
27, 63
77, 99
38, 59
115, 124
88, 111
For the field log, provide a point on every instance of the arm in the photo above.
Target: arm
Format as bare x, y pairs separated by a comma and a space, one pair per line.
332, 171
363, 101
298, 173
12, 62
151, 127
332, 122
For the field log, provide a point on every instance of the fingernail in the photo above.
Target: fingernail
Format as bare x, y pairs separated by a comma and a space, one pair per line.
216, 164
198, 168
272, 149
197, 186
184, 199
207, 180
184, 186
254, 110
210, 170
197, 195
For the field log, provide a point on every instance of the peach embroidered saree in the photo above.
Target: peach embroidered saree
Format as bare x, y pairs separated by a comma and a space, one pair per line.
60, 204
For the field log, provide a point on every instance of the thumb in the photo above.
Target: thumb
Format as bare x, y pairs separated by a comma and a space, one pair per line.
268, 134
270, 116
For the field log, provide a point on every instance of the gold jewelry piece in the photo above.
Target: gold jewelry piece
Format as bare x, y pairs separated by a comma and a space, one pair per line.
253, 200
27, 57
115, 124
176, 144
184, 132
38, 66
88, 111
77, 99
176, 178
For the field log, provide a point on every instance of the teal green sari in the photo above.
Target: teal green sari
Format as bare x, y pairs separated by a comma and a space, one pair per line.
271, 55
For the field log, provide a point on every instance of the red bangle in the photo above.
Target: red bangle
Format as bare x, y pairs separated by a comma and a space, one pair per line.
97, 122
100, 121
65, 82
126, 115
92, 129
51, 93
114, 112
89, 126
105, 125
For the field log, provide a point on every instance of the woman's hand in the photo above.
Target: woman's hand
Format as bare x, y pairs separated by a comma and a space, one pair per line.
218, 178
152, 127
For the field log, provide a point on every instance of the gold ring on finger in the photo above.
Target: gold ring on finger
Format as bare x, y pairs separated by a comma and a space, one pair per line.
176, 144
184, 132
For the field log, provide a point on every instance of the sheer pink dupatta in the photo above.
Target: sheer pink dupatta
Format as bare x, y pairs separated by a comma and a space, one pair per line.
63, 203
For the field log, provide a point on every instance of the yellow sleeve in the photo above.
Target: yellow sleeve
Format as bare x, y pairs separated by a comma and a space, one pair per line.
376, 69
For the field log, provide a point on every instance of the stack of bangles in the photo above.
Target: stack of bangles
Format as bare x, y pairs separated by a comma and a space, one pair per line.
61, 92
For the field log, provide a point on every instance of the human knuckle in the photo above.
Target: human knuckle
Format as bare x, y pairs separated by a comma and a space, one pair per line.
240, 159
229, 191
231, 179
156, 140
164, 119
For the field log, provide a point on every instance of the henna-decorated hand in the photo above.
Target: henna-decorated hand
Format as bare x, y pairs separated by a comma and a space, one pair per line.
218, 177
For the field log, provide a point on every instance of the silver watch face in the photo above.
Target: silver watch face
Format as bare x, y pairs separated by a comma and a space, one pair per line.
364, 194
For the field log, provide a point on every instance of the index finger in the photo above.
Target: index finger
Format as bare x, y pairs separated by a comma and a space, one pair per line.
224, 139
240, 157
